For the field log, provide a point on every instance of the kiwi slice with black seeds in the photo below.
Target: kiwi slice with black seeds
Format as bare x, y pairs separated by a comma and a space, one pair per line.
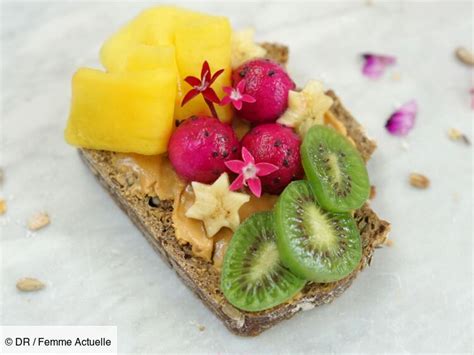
253, 277
315, 244
335, 169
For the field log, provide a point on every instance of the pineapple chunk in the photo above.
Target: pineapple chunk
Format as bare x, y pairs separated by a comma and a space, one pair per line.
152, 27
143, 43
207, 39
122, 112
143, 57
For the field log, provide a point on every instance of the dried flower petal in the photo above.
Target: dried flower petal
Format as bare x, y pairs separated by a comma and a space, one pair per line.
403, 119
375, 64
419, 181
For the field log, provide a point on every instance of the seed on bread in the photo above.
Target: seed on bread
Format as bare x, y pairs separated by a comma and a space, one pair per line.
29, 284
38, 221
419, 181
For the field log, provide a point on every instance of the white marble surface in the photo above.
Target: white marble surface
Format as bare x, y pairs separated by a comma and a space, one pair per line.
416, 296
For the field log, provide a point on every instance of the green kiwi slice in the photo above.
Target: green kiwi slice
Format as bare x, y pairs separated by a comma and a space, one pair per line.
253, 277
315, 244
335, 169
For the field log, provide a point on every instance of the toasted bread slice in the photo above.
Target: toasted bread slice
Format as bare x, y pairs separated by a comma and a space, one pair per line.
199, 275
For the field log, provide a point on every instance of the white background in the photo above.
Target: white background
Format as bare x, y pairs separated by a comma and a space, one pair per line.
416, 296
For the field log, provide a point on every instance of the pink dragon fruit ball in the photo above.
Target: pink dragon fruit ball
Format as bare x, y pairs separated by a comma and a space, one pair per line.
278, 145
199, 147
268, 83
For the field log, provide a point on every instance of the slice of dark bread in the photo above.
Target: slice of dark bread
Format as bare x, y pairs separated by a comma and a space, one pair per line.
154, 221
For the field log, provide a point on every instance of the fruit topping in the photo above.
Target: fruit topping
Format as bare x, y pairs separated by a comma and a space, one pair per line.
122, 112
269, 84
207, 38
280, 146
216, 205
200, 146
315, 244
253, 277
249, 172
244, 47
306, 107
191, 37
335, 170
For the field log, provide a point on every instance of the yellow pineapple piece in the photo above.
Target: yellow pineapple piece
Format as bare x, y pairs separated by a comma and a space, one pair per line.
143, 57
122, 112
207, 39
152, 27
144, 41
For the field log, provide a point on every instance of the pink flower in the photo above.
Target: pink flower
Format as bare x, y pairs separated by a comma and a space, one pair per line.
375, 64
249, 172
403, 119
236, 95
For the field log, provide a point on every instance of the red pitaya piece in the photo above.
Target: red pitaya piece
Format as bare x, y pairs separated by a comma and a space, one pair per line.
278, 145
200, 146
268, 83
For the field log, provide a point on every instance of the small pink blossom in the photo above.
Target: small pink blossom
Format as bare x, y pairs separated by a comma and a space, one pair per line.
236, 95
403, 119
375, 64
249, 172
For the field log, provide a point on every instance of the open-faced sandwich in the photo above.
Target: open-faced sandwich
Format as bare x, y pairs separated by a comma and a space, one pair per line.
254, 190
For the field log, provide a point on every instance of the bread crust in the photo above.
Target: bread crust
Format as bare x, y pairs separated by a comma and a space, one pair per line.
155, 223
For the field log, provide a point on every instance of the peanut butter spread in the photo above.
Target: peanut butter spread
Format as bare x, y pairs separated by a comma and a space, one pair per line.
154, 176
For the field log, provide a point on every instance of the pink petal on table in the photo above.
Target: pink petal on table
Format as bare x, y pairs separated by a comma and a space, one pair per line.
237, 183
235, 166
264, 169
255, 186
403, 119
375, 64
